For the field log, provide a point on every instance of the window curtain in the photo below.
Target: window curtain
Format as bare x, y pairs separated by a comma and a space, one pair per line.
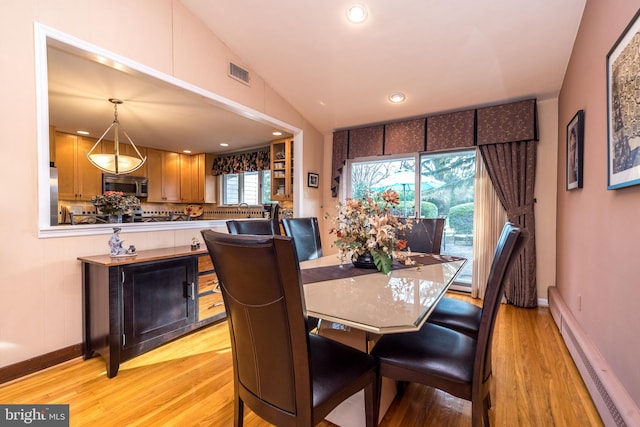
242, 162
490, 217
511, 167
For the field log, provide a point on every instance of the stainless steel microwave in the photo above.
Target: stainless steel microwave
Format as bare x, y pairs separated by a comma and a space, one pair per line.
130, 185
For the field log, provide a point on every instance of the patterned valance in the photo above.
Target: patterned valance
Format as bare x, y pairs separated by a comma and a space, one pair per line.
511, 122
340, 148
365, 142
452, 130
404, 137
242, 162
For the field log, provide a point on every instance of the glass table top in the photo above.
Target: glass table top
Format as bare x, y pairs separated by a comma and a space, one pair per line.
398, 302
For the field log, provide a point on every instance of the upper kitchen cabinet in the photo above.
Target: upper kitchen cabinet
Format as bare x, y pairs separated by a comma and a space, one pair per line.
192, 178
163, 171
282, 169
78, 179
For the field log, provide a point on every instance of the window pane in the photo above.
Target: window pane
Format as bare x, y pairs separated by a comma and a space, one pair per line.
266, 187
447, 190
230, 191
251, 188
397, 174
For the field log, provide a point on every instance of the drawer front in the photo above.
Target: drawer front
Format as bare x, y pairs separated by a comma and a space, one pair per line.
207, 282
204, 263
210, 305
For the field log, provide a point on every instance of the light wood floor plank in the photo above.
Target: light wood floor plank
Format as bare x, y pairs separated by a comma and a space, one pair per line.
189, 382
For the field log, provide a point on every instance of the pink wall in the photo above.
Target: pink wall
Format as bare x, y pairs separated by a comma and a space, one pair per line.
598, 230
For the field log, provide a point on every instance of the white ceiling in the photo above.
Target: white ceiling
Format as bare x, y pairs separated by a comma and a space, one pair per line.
444, 55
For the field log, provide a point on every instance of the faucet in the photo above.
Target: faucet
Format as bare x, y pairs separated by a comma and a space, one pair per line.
246, 205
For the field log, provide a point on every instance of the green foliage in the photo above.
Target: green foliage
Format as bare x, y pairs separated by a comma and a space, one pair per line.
461, 218
428, 210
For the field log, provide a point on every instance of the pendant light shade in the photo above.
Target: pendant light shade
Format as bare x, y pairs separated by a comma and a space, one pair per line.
116, 163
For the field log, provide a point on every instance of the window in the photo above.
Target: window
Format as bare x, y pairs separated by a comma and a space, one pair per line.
246, 187
443, 185
447, 189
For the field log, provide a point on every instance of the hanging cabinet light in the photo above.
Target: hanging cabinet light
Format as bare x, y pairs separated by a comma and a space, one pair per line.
116, 163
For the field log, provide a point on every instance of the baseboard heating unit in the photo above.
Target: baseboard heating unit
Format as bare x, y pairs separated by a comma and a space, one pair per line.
609, 396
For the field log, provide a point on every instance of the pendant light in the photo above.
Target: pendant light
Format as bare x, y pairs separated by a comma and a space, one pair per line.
116, 163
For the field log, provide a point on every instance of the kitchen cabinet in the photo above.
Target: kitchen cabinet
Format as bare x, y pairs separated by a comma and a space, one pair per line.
163, 171
132, 305
282, 169
192, 176
78, 179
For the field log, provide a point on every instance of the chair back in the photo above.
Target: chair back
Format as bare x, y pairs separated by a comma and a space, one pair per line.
425, 235
265, 310
306, 236
254, 226
510, 244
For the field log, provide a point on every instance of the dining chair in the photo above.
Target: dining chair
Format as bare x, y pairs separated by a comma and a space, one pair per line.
425, 235
254, 226
285, 375
306, 238
449, 360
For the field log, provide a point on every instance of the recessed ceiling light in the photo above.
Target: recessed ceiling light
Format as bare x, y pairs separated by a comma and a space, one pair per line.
276, 133
356, 14
397, 97
186, 151
82, 132
224, 144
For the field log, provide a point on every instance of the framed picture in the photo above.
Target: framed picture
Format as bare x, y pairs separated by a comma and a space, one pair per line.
575, 151
313, 179
623, 115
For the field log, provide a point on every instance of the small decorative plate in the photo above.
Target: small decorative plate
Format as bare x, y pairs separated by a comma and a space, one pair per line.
194, 210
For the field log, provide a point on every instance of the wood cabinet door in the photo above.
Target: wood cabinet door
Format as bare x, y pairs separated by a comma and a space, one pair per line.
171, 176
186, 179
163, 171
158, 298
89, 177
78, 179
66, 164
198, 172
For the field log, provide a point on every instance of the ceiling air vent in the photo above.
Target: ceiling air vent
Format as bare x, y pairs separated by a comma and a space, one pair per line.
238, 73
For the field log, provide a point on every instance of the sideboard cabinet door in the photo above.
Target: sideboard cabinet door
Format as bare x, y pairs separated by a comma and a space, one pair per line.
159, 299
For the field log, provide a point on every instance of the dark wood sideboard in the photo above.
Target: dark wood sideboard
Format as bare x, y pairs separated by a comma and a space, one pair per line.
134, 304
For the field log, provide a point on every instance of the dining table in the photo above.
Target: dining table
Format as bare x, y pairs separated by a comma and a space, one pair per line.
357, 306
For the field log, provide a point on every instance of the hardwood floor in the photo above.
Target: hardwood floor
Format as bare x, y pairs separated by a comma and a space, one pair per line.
189, 383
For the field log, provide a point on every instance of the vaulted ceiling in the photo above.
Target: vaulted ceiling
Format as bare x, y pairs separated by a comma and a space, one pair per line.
443, 55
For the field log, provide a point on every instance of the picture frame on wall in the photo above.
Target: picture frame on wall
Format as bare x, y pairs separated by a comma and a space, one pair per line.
575, 151
313, 180
623, 132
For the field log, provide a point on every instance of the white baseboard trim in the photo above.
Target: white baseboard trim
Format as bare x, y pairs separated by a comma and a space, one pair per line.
609, 396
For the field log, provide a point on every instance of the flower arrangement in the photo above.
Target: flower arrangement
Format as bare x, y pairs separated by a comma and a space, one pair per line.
368, 226
115, 202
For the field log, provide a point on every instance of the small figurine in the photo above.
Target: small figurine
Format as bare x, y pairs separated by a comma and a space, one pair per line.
115, 244
195, 244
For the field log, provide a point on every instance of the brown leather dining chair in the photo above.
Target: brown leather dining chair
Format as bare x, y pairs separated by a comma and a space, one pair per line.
254, 226
450, 360
285, 375
425, 235
306, 236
